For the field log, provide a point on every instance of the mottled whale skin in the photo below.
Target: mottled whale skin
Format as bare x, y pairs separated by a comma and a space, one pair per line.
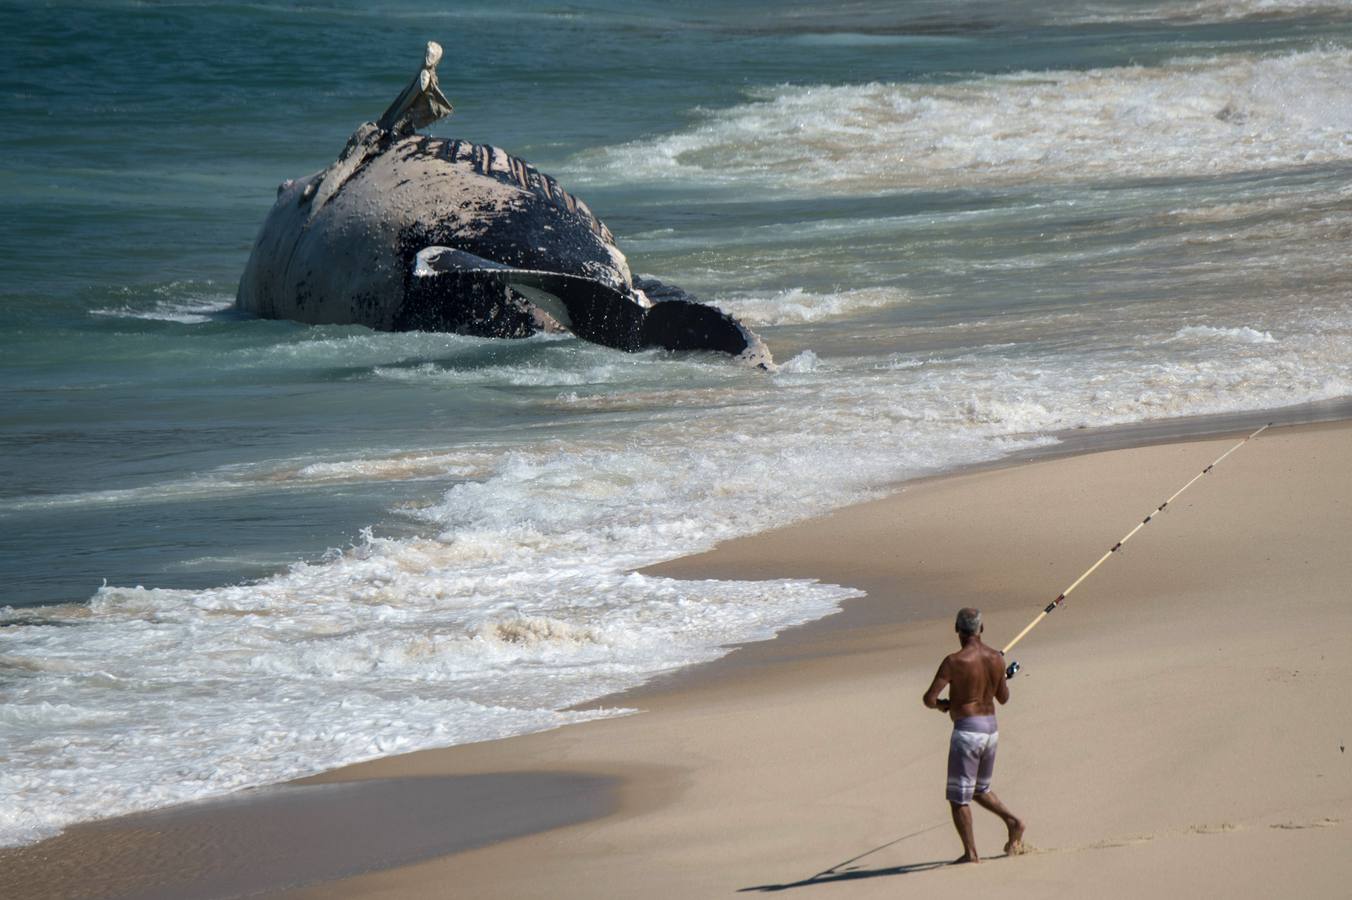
410, 232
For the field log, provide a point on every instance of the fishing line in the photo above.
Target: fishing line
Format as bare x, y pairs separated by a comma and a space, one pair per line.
1061, 598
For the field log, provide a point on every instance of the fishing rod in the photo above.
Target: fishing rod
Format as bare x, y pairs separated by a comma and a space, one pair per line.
1061, 598
1014, 666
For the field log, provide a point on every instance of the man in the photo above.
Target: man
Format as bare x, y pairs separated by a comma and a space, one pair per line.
976, 674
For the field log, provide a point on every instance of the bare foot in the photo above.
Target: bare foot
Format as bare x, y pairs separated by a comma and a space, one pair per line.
1015, 844
973, 858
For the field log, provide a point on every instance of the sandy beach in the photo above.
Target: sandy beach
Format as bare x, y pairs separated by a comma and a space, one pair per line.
1179, 727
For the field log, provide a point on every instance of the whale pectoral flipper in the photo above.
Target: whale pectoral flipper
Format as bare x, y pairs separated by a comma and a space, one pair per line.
690, 325
597, 312
590, 309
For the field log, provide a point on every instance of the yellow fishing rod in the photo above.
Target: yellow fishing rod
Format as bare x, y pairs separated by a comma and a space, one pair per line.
1061, 598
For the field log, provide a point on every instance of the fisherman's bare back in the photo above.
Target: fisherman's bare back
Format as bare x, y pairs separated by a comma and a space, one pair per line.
975, 676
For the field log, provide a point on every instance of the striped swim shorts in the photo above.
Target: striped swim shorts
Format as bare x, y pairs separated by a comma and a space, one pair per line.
971, 758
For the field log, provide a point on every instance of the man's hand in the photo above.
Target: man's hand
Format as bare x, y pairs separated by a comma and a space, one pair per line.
941, 679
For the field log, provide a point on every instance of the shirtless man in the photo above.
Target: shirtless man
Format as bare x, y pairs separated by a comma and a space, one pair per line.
977, 676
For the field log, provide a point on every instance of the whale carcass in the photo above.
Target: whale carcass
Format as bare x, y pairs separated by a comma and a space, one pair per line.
410, 232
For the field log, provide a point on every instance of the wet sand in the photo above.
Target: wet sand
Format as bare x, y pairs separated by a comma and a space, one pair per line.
266, 840
1179, 726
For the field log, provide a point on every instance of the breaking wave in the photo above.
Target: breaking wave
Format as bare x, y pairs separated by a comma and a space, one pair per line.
1198, 11
184, 302
796, 306
1188, 117
1243, 335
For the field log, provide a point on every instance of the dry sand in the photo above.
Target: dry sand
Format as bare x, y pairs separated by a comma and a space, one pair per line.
1178, 728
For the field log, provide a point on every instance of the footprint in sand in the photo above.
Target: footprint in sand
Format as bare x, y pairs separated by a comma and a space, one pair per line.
1128, 841
1297, 826
1220, 828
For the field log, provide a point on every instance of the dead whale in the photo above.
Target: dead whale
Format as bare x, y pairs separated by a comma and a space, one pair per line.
410, 232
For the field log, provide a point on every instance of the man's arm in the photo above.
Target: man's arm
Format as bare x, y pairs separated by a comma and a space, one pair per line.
941, 679
1001, 680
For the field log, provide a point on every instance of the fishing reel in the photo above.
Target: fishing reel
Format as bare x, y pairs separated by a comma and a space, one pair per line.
1012, 669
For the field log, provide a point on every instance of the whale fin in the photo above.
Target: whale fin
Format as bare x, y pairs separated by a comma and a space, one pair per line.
691, 325
591, 310
677, 321
599, 313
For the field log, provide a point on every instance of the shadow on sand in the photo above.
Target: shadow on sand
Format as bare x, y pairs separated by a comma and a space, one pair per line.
840, 872
850, 875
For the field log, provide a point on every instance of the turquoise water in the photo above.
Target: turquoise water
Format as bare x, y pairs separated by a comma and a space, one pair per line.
961, 227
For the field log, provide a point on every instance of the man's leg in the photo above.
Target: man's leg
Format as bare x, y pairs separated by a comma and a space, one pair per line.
989, 801
962, 820
963, 751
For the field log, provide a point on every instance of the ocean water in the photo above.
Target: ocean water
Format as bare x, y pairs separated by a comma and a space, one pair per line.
236, 551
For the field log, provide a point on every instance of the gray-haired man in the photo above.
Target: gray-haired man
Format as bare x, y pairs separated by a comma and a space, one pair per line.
976, 674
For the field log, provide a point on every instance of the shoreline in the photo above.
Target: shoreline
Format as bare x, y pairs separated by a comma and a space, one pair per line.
858, 642
754, 725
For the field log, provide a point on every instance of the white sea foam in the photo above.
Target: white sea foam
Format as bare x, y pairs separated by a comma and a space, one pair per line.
530, 375
400, 467
1196, 11
390, 647
355, 346
804, 362
1189, 117
797, 306
184, 302
866, 39
270, 476
1243, 334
